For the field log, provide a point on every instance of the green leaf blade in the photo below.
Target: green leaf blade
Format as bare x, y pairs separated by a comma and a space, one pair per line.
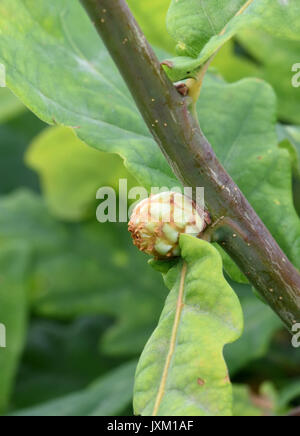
192, 23
201, 28
71, 173
81, 59
72, 81
194, 381
246, 144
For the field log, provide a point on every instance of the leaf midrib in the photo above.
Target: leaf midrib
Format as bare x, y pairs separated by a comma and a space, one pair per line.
238, 13
179, 307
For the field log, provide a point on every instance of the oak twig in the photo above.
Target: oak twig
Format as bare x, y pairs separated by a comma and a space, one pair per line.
243, 235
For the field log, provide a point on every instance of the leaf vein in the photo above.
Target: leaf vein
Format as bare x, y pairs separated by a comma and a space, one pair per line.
178, 313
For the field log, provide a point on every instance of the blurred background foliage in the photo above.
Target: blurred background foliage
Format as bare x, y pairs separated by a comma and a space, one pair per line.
79, 301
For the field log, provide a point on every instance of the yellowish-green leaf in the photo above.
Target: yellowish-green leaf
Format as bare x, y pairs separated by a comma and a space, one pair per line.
182, 370
71, 173
151, 16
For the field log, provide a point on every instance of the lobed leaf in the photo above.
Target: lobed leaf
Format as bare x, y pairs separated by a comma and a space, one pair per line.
182, 370
246, 143
71, 80
243, 135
